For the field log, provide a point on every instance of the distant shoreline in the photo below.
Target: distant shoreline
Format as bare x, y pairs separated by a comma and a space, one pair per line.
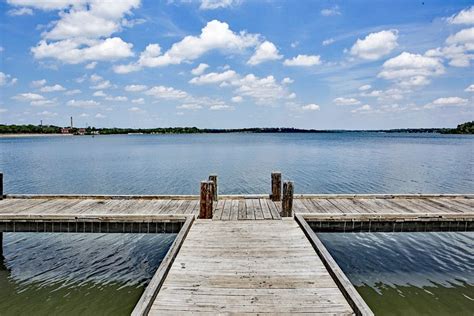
51, 130
33, 135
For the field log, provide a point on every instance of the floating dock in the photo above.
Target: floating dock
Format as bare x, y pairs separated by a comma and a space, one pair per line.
245, 254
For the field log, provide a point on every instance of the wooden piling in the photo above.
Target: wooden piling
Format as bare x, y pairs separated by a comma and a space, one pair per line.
276, 186
206, 204
287, 203
1, 186
213, 179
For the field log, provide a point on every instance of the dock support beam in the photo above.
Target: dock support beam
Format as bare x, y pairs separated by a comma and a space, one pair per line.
206, 203
276, 187
1, 186
287, 203
213, 179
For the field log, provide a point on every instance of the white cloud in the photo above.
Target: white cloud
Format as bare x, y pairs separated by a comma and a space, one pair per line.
91, 65
138, 101
465, 36
38, 83
99, 93
364, 108
237, 99
102, 85
215, 35
47, 114
328, 41
199, 70
72, 92
116, 98
303, 61
459, 49
162, 92
28, 97
346, 101
409, 69
214, 77
365, 87
220, 107
287, 80
84, 115
20, 11
82, 103
331, 11
375, 45
470, 88
217, 4
95, 78
47, 4
72, 51
446, 102
100, 116
310, 107
135, 88
53, 88
465, 16
136, 109
6, 79
264, 90
265, 52
189, 106
44, 103
2, 110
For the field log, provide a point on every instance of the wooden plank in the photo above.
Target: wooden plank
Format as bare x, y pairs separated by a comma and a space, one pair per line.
226, 211
146, 300
265, 209
219, 208
242, 210
234, 212
249, 208
273, 209
257, 209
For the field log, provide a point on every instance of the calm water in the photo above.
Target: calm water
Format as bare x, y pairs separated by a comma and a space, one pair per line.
56, 272
175, 164
77, 274
408, 273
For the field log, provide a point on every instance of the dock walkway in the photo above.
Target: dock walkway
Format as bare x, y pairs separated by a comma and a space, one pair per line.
248, 267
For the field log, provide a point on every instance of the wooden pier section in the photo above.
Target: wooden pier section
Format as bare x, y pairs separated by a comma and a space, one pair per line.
252, 254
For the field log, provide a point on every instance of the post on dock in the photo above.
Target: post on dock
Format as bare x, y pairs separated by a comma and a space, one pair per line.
276, 186
287, 203
213, 179
1, 186
206, 203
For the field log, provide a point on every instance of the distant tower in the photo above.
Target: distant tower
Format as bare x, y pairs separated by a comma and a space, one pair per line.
41, 123
72, 125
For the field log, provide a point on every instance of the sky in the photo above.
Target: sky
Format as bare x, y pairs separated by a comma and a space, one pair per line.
237, 63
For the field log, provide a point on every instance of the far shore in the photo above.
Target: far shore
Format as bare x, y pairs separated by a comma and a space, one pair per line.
32, 135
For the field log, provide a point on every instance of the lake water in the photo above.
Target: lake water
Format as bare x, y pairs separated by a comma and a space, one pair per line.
55, 272
175, 164
77, 274
408, 273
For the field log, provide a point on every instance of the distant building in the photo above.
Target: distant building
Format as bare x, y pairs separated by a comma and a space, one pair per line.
65, 130
81, 131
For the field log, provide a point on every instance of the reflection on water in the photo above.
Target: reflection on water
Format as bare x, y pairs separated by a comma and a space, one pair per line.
77, 274
317, 163
408, 273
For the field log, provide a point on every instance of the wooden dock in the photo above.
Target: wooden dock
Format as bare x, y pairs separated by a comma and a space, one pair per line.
253, 254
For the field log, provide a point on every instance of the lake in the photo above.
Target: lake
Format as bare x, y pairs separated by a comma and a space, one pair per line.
417, 272
175, 164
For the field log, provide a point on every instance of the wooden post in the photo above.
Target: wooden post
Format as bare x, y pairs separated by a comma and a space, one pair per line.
206, 204
287, 203
213, 179
276, 186
1, 186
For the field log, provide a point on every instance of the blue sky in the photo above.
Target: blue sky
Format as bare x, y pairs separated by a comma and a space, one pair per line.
237, 63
